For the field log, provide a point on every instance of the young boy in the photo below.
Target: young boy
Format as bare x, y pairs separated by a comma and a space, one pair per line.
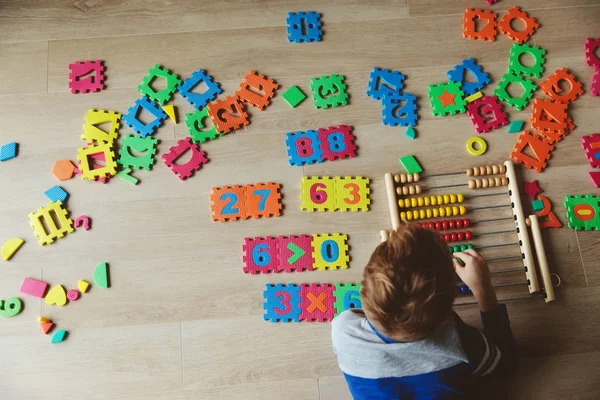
406, 342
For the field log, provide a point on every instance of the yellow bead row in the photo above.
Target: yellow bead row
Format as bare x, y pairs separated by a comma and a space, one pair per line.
427, 201
433, 213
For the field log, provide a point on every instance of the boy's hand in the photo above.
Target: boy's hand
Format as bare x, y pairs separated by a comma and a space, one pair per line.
476, 275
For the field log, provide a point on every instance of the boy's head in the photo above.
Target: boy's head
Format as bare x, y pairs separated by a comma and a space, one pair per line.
409, 283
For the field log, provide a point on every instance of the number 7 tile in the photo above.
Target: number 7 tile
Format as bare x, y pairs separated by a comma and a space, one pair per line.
263, 200
352, 194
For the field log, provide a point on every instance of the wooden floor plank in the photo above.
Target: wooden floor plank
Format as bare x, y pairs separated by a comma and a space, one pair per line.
24, 67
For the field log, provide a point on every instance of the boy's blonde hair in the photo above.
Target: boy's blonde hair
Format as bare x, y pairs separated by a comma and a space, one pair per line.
409, 284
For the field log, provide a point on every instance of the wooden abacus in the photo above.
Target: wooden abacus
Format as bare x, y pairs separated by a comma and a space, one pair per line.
426, 207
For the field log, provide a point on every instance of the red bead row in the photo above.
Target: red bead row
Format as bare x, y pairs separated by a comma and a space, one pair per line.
456, 236
446, 224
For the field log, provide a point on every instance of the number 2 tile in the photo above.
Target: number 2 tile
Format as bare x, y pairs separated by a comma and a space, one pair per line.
228, 203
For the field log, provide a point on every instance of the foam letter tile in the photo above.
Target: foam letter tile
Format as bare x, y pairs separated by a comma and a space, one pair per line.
446, 98
538, 146
183, 149
257, 90
59, 336
293, 96
9, 151
91, 127
486, 114
56, 193
316, 302
399, 109
318, 193
591, 145
63, 170
347, 296
263, 200
137, 144
459, 74
514, 61
385, 82
198, 126
46, 327
131, 117
261, 255
304, 148
34, 288
330, 251
352, 193
304, 27
83, 286
329, 91
10, 247
102, 275
583, 212
86, 76
517, 102
551, 86
282, 303
487, 32
337, 142
228, 203
228, 114
46, 214
295, 253
91, 170
199, 100
520, 36
550, 119
56, 295
10, 307
171, 83
591, 59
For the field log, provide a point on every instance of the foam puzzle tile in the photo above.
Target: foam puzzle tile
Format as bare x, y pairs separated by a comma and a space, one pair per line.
63, 170
521, 35
34, 288
89, 169
486, 114
473, 97
329, 91
384, 82
102, 275
583, 212
316, 302
550, 119
318, 193
131, 117
591, 59
545, 207
508, 79
330, 251
228, 203
83, 286
228, 114
551, 221
537, 205
182, 150
56, 193
293, 96
446, 98
399, 109
263, 200
93, 119
53, 217
84, 221
304, 27
295, 253
86, 76
257, 90
10, 247
514, 61
471, 18
162, 96
539, 146
127, 177
595, 86
595, 178
304, 148
9, 151
352, 193
282, 303
56, 296
410, 133
591, 145
10, 307
410, 164
171, 111
337, 142
552, 86
199, 100
46, 327
260, 255
469, 67
135, 143
532, 189
200, 126
59, 336
516, 126
347, 296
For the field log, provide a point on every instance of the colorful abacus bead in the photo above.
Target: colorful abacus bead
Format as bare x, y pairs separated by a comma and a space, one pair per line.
433, 213
488, 182
457, 248
486, 170
427, 201
409, 189
406, 178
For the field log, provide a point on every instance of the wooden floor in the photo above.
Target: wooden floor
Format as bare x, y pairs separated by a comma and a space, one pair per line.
182, 321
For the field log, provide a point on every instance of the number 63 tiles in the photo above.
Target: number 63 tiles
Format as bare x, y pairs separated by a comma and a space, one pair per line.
335, 193
295, 253
230, 203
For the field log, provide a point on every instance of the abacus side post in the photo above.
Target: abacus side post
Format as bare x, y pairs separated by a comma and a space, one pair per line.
392, 203
384, 235
540, 251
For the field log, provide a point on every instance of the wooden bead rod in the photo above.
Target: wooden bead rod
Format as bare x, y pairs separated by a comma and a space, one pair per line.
507, 271
481, 221
503, 258
493, 169
496, 245
486, 207
493, 233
